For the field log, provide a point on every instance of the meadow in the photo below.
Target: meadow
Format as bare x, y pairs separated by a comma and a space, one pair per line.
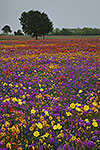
49, 93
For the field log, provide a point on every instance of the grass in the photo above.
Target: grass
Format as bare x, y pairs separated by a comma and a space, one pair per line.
46, 37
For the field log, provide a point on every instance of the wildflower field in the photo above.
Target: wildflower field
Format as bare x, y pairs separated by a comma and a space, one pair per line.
50, 94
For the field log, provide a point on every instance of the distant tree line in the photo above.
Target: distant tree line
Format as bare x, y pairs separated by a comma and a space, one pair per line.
36, 23
64, 31
76, 31
7, 29
19, 33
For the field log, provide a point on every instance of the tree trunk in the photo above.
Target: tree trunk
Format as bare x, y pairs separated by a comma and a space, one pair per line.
43, 37
36, 37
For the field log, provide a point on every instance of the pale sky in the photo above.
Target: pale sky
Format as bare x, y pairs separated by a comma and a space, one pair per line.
63, 13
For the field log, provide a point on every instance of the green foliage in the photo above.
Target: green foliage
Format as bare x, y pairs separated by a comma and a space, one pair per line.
19, 33
6, 29
35, 23
90, 31
65, 31
76, 31
56, 31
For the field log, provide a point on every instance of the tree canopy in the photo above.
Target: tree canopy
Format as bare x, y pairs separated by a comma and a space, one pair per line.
35, 23
6, 29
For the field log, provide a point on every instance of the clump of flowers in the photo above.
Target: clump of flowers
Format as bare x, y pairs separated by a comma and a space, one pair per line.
50, 94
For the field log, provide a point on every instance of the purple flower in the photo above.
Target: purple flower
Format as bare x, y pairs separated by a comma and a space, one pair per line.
41, 147
52, 139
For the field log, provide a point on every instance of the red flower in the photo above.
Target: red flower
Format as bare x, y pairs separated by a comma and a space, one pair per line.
12, 110
18, 141
16, 146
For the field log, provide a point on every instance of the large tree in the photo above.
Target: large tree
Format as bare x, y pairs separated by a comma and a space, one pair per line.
6, 29
35, 23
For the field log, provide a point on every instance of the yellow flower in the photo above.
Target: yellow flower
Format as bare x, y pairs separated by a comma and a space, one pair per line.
33, 111
95, 110
41, 118
98, 91
52, 122
8, 145
78, 109
27, 95
41, 89
39, 96
80, 91
3, 129
17, 131
2, 134
55, 127
78, 95
91, 94
95, 103
21, 72
77, 104
2, 142
50, 118
41, 141
33, 148
16, 85
86, 108
44, 122
44, 143
59, 126
40, 85
26, 145
23, 96
46, 113
73, 138
93, 120
21, 84
68, 113
14, 99
39, 125
10, 85
20, 103
62, 134
31, 128
95, 124
7, 124
36, 133
24, 88
49, 145
58, 136
59, 140
72, 105
24, 102
87, 120
4, 84
13, 129
19, 148
47, 134
19, 100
